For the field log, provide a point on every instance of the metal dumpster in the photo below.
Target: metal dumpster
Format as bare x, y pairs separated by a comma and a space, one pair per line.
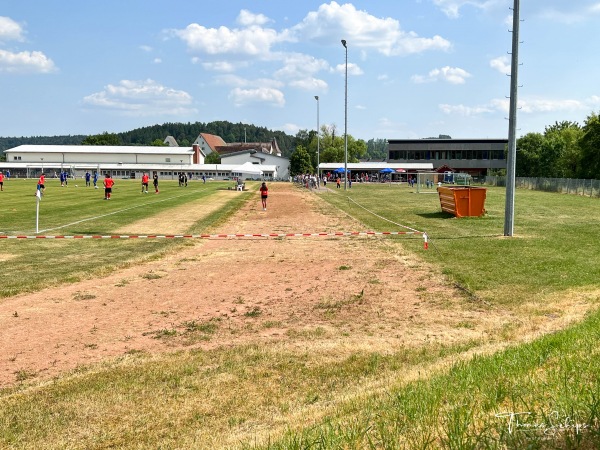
462, 201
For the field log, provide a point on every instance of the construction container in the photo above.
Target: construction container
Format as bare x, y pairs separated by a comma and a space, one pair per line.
464, 201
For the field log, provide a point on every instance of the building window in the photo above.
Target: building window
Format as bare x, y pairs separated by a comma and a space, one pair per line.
167, 159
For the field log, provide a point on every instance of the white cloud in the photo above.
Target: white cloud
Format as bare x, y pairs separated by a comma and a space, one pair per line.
353, 69
362, 31
157, 61
298, 65
146, 48
242, 97
290, 128
452, 7
309, 84
453, 75
220, 66
578, 13
501, 64
237, 81
10, 30
252, 41
525, 105
145, 98
25, 62
465, 111
246, 18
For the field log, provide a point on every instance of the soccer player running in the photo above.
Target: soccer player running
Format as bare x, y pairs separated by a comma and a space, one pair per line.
108, 184
41, 185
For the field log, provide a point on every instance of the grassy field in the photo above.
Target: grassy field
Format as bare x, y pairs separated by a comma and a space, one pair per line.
541, 394
80, 210
554, 248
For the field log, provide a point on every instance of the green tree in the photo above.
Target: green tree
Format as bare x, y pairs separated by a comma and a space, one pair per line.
564, 155
590, 147
102, 139
332, 147
529, 148
300, 162
377, 149
212, 158
158, 143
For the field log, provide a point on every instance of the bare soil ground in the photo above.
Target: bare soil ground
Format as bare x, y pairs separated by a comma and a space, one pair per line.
337, 295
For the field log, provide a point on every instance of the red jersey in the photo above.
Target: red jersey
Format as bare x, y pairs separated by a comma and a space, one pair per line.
42, 180
1, 177
108, 182
145, 178
263, 191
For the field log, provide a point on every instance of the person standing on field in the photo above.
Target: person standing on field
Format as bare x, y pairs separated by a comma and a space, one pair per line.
145, 179
88, 177
155, 182
108, 184
1, 181
95, 180
264, 191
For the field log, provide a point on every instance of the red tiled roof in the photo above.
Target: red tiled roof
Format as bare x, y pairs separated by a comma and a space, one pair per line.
213, 141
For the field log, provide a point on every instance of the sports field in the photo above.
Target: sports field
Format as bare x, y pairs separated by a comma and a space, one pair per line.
294, 342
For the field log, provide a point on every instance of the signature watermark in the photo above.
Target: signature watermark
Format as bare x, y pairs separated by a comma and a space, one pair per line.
551, 424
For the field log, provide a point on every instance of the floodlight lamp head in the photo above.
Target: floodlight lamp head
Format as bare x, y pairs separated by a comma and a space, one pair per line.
316, 97
344, 42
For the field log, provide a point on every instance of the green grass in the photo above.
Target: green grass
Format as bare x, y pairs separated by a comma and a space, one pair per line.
554, 248
545, 394
52, 262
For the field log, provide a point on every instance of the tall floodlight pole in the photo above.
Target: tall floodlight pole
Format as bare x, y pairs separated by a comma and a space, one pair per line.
346, 120
318, 139
512, 128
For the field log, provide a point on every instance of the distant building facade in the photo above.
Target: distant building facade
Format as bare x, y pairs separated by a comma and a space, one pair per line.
473, 156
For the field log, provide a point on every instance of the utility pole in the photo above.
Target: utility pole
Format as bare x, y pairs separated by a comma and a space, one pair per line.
509, 213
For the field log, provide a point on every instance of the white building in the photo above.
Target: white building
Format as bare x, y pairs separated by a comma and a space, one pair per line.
27, 161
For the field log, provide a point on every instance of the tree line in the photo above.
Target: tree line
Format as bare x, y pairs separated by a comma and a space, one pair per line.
564, 150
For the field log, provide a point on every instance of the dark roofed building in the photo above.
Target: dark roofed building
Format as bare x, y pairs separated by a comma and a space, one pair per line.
270, 148
473, 156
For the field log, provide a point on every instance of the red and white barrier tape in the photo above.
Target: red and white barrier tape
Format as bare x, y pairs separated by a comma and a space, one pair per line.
213, 236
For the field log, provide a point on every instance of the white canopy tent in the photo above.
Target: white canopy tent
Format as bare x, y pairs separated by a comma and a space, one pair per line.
246, 170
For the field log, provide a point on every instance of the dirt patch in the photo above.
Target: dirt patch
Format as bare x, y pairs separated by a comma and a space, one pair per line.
334, 295
178, 220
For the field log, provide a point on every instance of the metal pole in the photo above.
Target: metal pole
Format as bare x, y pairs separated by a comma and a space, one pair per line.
512, 127
346, 120
37, 211
318, 140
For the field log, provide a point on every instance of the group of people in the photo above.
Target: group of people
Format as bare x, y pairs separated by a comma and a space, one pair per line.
109, 183
146, 179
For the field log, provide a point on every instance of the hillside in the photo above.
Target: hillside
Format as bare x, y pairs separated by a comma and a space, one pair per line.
184, 133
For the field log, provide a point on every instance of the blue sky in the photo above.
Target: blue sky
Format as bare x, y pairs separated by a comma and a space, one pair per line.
416, 68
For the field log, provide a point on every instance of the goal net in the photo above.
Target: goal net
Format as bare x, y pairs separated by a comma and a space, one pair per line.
427, 182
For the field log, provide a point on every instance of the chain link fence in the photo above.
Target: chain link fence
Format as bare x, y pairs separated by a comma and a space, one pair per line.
589, 188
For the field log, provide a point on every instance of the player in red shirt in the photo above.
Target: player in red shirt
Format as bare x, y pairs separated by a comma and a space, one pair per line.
145, 179
41, 186
1, 181
108, 184
264, 191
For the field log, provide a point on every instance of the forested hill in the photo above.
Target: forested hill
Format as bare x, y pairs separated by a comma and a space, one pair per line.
11, 142
184, 133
